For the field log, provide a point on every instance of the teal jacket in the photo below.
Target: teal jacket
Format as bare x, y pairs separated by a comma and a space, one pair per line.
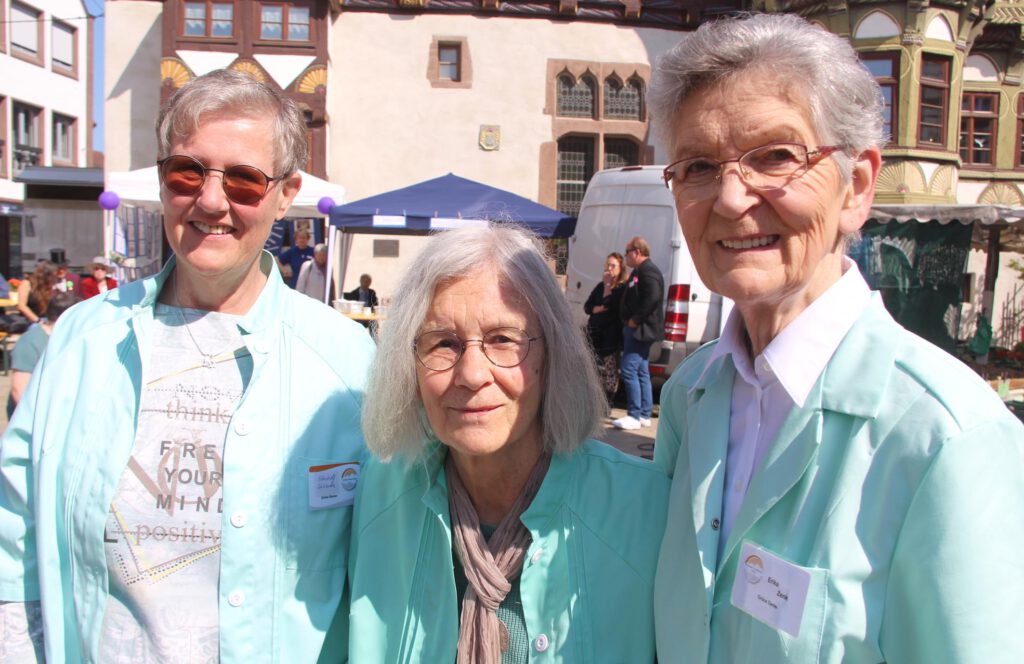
588, 577
66, 448
899, 487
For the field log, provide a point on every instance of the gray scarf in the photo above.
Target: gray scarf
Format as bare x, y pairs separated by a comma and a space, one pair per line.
490, 566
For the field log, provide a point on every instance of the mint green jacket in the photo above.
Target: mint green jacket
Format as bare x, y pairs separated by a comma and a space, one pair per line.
899, 486
66, 447
588, 577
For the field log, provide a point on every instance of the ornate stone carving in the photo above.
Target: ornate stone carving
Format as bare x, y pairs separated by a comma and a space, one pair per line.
901, 177
1002, 193
313, 81
251, 68
173, 72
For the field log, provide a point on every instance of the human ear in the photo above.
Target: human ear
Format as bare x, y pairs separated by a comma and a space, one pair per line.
860, 191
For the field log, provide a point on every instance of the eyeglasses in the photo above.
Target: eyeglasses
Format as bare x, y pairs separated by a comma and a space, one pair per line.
244, 185
768, 167
441, 350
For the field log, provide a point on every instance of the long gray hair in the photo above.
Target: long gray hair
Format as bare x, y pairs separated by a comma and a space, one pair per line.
225, 91
572, 402
844, 101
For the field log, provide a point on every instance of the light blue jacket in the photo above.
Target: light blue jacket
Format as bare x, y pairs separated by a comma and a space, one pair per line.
587, 579
899, 486
65, 449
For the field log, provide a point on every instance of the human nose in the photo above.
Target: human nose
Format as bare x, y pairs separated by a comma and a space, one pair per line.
473, 370
211, 196
735, 194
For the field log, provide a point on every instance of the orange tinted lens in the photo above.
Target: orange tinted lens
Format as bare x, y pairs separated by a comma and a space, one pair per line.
245, 185
183, 175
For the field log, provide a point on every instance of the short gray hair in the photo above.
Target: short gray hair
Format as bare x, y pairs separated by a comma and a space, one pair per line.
230, 92
572, 402
844, 101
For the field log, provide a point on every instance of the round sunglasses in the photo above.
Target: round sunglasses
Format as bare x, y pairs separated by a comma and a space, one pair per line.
244, 185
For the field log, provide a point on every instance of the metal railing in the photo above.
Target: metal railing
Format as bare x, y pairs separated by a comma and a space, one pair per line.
1012, 318
25, 156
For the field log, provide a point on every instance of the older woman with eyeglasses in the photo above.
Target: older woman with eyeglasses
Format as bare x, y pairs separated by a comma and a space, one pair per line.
183, 516
488, 529
843, 490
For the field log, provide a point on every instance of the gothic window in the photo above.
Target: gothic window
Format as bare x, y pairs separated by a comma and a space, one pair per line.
575, 98
622, 102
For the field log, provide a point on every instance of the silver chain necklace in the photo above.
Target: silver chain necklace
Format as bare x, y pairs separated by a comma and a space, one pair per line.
208, 358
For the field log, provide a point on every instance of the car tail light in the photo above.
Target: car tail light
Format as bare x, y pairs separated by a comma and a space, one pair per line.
677, 312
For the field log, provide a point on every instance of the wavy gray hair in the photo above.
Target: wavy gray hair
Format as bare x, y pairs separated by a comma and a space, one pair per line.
572, 402
235, 93
844, 101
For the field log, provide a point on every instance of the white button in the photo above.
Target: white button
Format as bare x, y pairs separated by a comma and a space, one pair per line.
540, 644
765, 367
236, 598
536, 555
239, 519
241, 427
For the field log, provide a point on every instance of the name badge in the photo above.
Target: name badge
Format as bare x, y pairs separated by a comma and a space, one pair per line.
333, 485
770, 589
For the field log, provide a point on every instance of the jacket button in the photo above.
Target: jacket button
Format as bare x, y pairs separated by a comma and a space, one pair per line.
239, 519
241, 427
715, 523
540, 644
236, 598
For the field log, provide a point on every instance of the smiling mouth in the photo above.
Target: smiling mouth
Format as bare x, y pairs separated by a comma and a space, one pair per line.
750, 242
476, 411
211, 230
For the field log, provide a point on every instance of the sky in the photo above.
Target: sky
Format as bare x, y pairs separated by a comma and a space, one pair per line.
95, 8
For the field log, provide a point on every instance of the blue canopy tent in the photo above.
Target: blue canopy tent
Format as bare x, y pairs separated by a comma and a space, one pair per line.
443, 203
436, 205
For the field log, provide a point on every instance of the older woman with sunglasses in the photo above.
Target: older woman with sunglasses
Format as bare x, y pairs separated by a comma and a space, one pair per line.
190, 514
488, 529
843, 490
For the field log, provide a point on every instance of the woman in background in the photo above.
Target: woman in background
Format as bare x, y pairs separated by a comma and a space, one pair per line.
97, 282
604, 327
35, 291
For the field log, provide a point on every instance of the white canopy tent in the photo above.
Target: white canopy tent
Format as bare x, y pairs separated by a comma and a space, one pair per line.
139, 190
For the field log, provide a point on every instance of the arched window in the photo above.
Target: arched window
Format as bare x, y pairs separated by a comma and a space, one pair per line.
622, 102
575, 98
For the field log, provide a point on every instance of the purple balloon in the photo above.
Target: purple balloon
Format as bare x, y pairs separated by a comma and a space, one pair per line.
324, 205
109, 200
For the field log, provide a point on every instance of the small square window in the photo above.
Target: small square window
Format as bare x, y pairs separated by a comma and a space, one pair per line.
208, 19
26, 32
448, 60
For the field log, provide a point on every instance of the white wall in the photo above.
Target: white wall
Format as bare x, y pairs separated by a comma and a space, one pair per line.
132, 84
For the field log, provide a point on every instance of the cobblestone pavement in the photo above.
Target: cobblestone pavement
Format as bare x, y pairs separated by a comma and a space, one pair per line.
639, 442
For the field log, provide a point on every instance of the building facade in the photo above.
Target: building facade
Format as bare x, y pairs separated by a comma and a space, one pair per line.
535, 96
45, 113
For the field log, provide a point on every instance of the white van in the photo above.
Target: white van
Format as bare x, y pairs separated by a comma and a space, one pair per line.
619, 204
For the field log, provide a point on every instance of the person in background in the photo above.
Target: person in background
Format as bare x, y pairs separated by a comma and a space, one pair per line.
294, 257
843, 491
604, 327
30, 346
97, 282
313, 275
364, 293
66, 281
35, 291
170, 483
488, 528
643, 317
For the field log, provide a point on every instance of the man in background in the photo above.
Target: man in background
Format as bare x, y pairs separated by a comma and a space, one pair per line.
643, 319
364, 293
293, 257
312, 279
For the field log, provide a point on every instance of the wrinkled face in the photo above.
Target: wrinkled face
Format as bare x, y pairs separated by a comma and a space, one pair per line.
99, 273
211, 236
477, 408
613, 267
760, 247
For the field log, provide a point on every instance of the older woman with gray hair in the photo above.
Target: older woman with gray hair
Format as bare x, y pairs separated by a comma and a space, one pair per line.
183, 516
488, 528
842, 490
